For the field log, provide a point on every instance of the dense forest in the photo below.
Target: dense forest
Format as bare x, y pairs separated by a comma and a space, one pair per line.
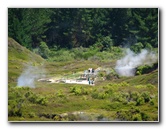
74, 27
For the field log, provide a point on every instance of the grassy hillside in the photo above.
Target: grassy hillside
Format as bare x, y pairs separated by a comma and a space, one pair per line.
150, 78
18, 57
116, 99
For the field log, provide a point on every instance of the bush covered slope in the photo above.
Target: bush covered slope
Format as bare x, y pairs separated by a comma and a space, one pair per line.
18, 57
119, 99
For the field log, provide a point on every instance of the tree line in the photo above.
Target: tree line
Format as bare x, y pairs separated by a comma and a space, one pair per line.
75, 27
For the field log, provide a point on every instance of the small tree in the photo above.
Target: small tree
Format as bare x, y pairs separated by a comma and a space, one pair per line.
137, 47
140, 101
104, 44
146, 96
137, 117
148, 46
44, 50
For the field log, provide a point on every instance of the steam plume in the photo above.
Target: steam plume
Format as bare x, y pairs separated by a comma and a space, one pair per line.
29, 75
127, 65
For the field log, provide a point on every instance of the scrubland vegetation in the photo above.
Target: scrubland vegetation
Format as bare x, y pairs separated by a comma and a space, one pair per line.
115, 99
63, 46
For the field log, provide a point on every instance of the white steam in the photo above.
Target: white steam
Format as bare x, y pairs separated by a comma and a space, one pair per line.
127, 65
29, 75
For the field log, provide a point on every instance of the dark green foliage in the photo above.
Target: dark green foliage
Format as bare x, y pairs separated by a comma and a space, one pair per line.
38, 99
143, 69
44, 50
144, 116
134, 95
112, 106
112, 75
118, 101
61, 55
137, 117
27, 25
146, 69
148, 46
133, 114
28, 94
109, 91
76, 27
76, 90
106, 43
15, 108
146, 96
128, 98
100, 95
152, 102
15, 101
137, 47
60, 94
140, 101
31, 115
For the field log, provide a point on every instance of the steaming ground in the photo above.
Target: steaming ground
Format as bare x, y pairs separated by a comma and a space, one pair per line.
29, 75
128, 64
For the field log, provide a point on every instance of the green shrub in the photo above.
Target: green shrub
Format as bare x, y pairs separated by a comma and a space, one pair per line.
143, 69
57, 118
13, 111
146, 96
102, 74
137, 117
117, 51
60, 94
27, 94
146, 69
150, 86
44, 50
137, 47
140, 101
102, 95
38, 99
99, 95
119, 97
144, 116
148, 46
126, 95
62, 55
134, 95
123, 115
94, 95
15, 108
88, 54
152, 102
132, 103
78, 52
124, 83
32, 115
109, 91
129, 115
42, 100
106, 43
112, 75
33, 98
84, 98
115, 105
76, 90
85, 91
